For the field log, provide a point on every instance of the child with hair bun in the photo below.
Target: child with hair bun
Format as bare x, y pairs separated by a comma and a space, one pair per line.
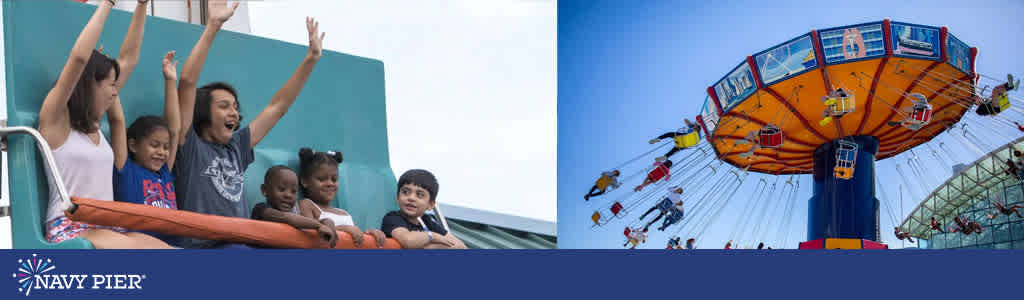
318, 179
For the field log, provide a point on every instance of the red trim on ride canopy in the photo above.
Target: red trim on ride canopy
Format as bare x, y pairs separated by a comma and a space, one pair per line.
777, 162
700, 120
796, 114
819, 56
753, 70
789, 162
903, 96
780, 151
943, 34
798, 170
871, 94
714, 98
887, 35
974, 55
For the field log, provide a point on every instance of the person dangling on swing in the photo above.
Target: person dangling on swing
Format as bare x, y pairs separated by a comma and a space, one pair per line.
964, 226
635, 236
903, 235
665, 206
1002, 209
674, 215
674, 243
999, 100
935, 225
683, 138
608, 179
661, 171
1012, 169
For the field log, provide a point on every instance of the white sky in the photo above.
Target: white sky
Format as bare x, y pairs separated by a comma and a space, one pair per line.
471, 89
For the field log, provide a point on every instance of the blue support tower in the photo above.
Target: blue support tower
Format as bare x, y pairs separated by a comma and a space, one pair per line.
844, 208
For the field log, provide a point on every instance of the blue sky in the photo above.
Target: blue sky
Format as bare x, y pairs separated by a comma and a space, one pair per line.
629, 71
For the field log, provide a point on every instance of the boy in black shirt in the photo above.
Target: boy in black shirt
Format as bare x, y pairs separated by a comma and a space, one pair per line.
417, 192
280, 186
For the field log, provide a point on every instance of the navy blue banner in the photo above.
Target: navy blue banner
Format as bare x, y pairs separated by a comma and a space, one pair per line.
525, 274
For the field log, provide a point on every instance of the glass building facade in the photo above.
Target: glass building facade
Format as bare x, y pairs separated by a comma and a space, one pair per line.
971, 193
1003, 232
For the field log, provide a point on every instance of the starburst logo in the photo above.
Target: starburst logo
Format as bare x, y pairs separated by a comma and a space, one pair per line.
35, 274
28, 269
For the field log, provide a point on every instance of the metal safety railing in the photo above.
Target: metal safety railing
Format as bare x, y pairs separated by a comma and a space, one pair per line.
50, 165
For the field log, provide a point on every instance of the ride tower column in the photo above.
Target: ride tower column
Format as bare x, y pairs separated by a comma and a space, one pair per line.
843, 213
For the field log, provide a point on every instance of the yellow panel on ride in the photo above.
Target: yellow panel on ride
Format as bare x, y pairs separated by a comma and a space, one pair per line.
687, 140
832, 243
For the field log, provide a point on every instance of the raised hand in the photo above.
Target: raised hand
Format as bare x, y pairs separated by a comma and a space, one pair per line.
219, 12
316, 39
170, 66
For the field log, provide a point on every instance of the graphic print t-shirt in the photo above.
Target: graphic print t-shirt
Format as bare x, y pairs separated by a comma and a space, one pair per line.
136, 184
210, 178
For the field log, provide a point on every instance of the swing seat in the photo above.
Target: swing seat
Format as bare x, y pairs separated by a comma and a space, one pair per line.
1004, 102
921, 114
616, 208
688, 140
770, 136
665, 204
843, 172
597, 218
846, 158
840, 105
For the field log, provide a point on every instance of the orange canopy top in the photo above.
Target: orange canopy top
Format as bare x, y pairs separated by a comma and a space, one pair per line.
880, 64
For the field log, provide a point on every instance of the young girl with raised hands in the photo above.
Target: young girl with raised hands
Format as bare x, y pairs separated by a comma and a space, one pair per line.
144, 155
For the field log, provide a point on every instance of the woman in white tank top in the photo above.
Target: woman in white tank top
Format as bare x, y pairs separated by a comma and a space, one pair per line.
69, 121
318, 178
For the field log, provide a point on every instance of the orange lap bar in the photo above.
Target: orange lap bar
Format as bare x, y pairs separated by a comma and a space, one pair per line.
189, 224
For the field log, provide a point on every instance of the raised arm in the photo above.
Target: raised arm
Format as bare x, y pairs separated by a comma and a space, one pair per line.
284, 97
218, 14
54, 122
128, 57
172, 114
118, 136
